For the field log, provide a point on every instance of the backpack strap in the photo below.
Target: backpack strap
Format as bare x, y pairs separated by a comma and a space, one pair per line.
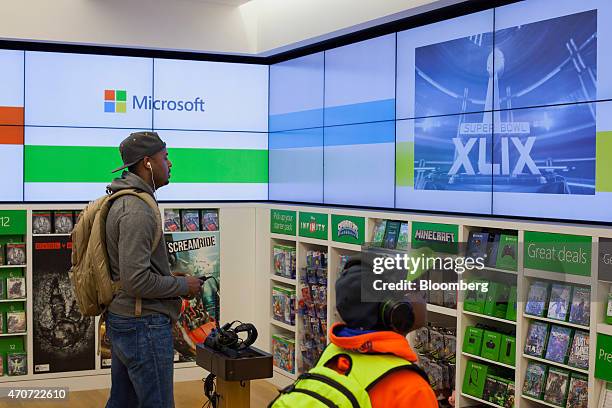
368, 369
146, 197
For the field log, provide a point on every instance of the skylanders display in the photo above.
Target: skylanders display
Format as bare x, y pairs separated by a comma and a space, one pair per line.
312, 308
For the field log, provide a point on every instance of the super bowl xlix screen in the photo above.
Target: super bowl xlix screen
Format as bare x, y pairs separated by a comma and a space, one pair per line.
494, 143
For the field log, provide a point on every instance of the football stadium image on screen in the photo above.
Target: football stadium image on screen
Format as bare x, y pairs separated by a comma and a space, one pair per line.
525, 121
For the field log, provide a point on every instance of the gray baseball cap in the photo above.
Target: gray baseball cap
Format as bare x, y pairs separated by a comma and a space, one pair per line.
137, 146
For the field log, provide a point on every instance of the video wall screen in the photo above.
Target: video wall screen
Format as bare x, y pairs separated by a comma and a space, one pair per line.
359, 164
11, 124
360, 82
332, 126
296, 130
203, 95
296, 165
60, 140
442, 67
76, 90
538, 142
296, 93
556, 147
500, 112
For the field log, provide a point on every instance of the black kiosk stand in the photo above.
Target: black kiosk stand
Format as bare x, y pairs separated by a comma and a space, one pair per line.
234, 373
233, 364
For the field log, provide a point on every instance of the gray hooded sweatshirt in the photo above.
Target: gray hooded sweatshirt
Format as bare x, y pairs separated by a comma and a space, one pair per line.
143, 271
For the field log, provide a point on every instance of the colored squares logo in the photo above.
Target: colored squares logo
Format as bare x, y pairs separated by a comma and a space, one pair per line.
115, 100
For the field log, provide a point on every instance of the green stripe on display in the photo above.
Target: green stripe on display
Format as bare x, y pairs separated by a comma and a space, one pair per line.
603, 163
86, 164
69, 164
404, 171
219, 165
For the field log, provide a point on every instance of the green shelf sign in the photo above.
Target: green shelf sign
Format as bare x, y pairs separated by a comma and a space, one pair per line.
348, 229
283, 222
438, 237
561, 253
11, 344
13, 222
313, 225
603, 357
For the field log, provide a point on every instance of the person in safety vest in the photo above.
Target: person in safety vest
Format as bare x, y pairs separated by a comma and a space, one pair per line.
369, 362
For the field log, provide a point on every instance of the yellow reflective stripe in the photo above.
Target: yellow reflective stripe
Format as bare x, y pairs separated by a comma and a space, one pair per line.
365, 368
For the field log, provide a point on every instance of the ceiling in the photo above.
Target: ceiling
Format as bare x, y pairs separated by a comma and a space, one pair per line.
231, 3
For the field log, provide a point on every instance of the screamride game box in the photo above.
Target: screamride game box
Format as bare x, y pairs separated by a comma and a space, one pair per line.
196, 254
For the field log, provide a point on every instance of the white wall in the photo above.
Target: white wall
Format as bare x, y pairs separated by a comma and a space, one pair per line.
286, 24
189, 25
238, 261
257, 27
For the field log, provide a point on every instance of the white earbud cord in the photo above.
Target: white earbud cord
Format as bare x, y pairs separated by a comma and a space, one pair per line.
153, 180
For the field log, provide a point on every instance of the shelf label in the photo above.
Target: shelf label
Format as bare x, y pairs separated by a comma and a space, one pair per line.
561, 253
348, 229
283, 222
12, 344
438, 237
605, 259
603, 357
313, 225
12, 222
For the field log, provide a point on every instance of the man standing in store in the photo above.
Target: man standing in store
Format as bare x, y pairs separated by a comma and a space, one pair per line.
140, 317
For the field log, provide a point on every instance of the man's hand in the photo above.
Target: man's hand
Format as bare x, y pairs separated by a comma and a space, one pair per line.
194, 285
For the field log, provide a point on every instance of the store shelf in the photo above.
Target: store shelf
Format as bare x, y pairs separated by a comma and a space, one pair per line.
313, 241
282, 325
14, 378
543, 360
497, 319
557, 322
480, 400
283, 237
285, 373
282, 279
488, 361
185, 232
51, 235
342, 245
557, 276
12, 266
441, 310
486, 268
12, 300
13, 334
185, 364
548, 404
604, 328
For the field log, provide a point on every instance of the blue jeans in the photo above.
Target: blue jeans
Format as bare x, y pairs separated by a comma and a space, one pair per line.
142, 367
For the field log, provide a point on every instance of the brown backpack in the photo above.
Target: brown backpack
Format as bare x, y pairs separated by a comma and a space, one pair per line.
90, 272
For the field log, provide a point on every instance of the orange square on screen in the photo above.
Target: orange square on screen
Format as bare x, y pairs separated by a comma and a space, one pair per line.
11, 135
109, 94
11, 115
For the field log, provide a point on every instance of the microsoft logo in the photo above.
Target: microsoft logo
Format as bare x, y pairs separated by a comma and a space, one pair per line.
115, 100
